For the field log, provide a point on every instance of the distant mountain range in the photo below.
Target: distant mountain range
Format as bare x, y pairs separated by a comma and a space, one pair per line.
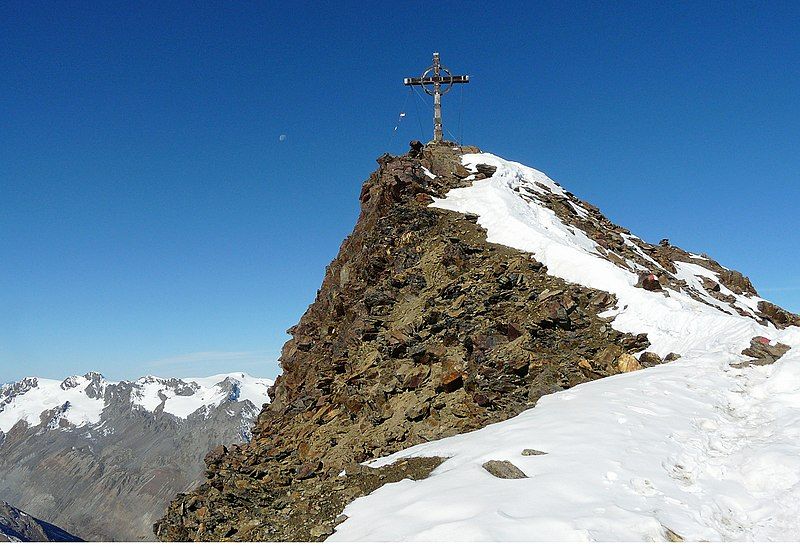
101, 459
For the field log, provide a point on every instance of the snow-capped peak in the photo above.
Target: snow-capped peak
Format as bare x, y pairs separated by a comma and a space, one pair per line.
80, 400
182, 397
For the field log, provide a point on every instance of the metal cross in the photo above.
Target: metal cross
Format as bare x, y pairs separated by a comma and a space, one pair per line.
442, 81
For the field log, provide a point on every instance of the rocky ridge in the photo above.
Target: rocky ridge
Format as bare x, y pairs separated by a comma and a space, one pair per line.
422, 330
17, 526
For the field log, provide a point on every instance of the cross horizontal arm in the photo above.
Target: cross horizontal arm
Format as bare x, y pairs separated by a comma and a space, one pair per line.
433, 80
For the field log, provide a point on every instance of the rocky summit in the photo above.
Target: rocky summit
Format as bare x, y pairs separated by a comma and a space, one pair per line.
102, 459
423, 329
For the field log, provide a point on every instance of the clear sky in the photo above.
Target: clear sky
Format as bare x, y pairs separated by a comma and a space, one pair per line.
152, 219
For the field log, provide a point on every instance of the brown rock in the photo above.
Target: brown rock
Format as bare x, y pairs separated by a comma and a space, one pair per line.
779, 317
481, 399
606, 357
215, 455
417, 411
452, 381
460, 171
486, 169
649, 281
308, 469
649, 359
627, 363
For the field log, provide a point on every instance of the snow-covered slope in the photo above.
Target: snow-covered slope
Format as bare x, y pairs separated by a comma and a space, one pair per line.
80, 400
695, 449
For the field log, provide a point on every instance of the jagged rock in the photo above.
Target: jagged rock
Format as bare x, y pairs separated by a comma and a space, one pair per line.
627, 363
777, 316
460, 172
672, 357
321, 530
736, 282
672, 536
486, 169
417, 412
649, 359
215, 455
762, 352
308, 469
710, 285
503, 469
649, 281
606, 357
452, 381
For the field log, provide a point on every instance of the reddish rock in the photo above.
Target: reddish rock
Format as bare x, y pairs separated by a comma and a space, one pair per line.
452, 381
649, 282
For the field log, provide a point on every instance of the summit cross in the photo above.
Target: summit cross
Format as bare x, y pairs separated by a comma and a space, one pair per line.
441, 81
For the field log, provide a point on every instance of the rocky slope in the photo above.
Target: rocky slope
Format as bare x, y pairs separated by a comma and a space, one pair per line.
423, 329
702, 448
17, 526
102, 459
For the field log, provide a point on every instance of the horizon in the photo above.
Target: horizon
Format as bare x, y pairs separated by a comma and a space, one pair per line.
176, 178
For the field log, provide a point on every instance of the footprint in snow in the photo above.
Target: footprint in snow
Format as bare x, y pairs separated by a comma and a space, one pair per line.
644, 487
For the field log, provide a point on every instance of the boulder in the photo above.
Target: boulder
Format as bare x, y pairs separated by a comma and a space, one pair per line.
627, 363
503, 469
486, 169
649, 359
649, 282
762, 352
532, 452
452, 381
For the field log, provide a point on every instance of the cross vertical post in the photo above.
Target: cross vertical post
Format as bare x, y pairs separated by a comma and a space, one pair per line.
436, 81
437, 100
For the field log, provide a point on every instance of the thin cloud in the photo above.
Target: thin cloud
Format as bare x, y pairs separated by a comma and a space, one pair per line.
258, 363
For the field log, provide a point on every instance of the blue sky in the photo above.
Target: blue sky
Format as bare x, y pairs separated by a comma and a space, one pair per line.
151, 220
